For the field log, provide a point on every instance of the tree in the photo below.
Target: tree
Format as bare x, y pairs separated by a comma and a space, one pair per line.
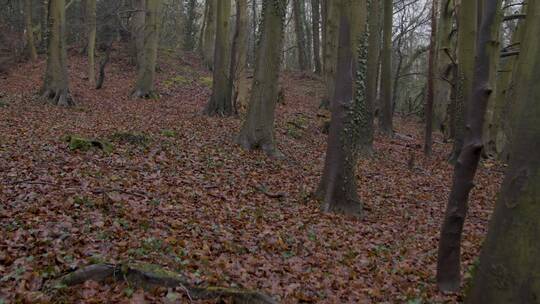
220, 102
209, 32
300, 34
509, 268
29, 30
238, 75
258, 129
385, 119
466, 46
191, 26
431, 81
448, 262
316, 23
374, 48
56, 85
330, 29
91, 49
147, 55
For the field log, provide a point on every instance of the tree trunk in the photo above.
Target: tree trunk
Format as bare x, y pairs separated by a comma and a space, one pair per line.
337, 189
466, 47
29, 30
316, 22
258, 129
44, 24
509, 268
146, 70
209, 34
180, 25
56, 85
300, 35
448, 263
191, 20
385, 119
428, 142
330, 50
238, 76
91, 49
374, 49
221, 101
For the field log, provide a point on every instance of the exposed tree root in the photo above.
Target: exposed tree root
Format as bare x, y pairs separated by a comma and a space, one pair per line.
60, 97
138, 93
150, 276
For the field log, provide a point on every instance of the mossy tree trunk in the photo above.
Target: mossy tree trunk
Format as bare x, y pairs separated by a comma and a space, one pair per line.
316, 23
509, 269
91, 49
468, 15
146, 69
220, 102
209, 33
238, 69
385, 119
449, 254
258, 129
56, 85
337, 188
30, 43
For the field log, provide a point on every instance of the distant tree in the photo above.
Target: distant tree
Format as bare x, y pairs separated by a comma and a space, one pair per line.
385, 119
209, 32
509, 269
56, 85
147, 54
316, 24
300, 31
191, 25
449, 254
220, 102
258, 129
29, 30
428, 136
331, 19
91, 48
238, 68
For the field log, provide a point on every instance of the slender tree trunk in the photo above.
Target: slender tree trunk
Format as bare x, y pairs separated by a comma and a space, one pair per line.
374, 50
180, 25
300, 35
509, 267
56, 85
146, 70
221, 101
316, 23
137, 30
330, 50
191, 20
431, 82
44, 24
91, 49
308, 34
448, 263
258, 129
337, 189
29, 30
386, 71
238, 76
466, 47
209, 36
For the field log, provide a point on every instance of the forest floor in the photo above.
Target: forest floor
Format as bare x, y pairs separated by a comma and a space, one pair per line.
176, 191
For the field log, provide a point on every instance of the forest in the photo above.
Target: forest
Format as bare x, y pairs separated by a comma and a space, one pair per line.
270, 151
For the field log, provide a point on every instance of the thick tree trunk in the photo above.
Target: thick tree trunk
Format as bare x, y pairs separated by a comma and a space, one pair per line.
91, 49
238, 69
44, 26
258, 129
466, 47
220, 102
316, 23
56, 85
146, 70
330, 50
428, 139
509, 269
300, 35
209, 34
448, 263
137, 31
337, 189
385, 119
29, 30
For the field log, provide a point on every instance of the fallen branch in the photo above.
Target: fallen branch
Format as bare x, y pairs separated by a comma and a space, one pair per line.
142, 276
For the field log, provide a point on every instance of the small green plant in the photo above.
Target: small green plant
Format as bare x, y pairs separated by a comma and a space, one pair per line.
177, 80
206, 81
84, 144
168, 133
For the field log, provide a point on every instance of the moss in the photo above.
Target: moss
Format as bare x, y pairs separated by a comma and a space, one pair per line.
206, 81
168, 133
177, 80
85, 144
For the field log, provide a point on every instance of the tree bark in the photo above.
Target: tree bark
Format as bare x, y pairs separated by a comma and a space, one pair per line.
258, 129
509, 267
238, 68
300, 35
466, 47
316, 23
29, 30
448, 263
428, 142
374, 50
91, 49
56, 85
385, 120
146, 70
209, 34
330, 50
221, 101
191, 20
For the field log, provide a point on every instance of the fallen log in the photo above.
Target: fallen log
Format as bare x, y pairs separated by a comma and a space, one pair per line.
149, 277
